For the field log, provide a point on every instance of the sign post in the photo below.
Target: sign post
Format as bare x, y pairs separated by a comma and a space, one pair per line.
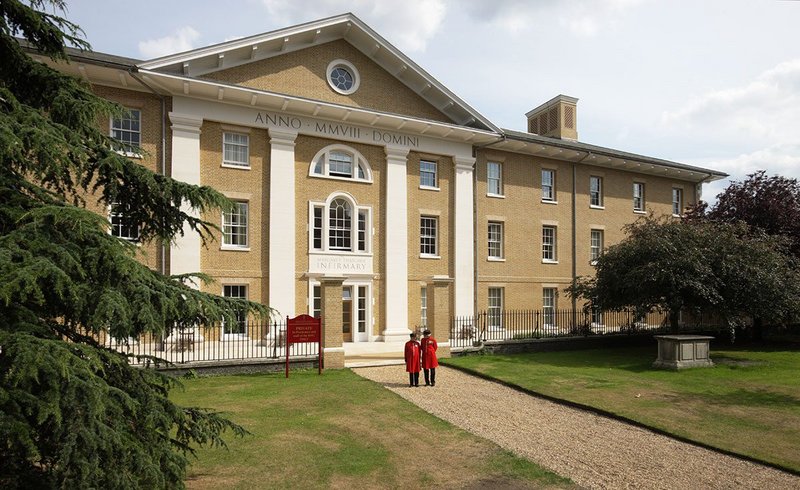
301, 329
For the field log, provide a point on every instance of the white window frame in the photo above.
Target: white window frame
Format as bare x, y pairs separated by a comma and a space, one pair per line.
639, 197
425, 247
320, 164
550, 244
116, 229
596, 192
242, 321
677, 201
494, 310
347, 66
490, 191
428, 172
549, 197
319, 227
227, 162
117, 129
595, 245
230, 227
495, 251
549, 306
423, 308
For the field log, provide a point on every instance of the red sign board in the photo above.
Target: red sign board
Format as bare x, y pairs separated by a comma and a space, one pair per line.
303, 328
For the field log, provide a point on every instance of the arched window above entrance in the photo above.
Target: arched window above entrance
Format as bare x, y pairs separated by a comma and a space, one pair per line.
340, 162
340, 225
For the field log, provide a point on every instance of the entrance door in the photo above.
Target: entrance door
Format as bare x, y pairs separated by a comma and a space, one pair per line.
347, 313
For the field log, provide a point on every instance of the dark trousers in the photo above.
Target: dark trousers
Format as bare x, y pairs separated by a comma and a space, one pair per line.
413, 379
430, 376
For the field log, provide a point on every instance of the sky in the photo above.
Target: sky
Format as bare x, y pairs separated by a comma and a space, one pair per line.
714, 83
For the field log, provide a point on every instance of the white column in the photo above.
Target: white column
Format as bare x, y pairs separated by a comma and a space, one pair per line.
396, 258
282, 221
464, 239
185, 250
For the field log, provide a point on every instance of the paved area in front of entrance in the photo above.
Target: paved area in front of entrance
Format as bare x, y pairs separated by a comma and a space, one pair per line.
593, 451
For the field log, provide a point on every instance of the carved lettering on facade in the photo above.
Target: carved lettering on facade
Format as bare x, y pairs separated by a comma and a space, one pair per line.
327, 129
339, 264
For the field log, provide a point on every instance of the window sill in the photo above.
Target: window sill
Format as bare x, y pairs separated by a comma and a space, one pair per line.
337, 177
237, 167
677, 215
547, 261
593, 262
231, 248
636, 211
592, 206
429, 188
130, 154
428, 256
495, 259
548, 201
496, 196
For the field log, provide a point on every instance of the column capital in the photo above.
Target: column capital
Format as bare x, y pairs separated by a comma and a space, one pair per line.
185, 122
282, 137
396, 152
464, 162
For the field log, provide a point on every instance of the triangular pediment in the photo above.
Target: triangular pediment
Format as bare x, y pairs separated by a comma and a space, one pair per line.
238, 61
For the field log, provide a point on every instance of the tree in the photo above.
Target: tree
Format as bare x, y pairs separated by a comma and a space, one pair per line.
72, 413
724, 268
769, 203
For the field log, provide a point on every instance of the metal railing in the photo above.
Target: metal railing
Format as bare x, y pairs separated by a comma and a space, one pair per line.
247, 341
550, 323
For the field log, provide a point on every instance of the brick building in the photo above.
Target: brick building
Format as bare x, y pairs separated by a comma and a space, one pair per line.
366, 189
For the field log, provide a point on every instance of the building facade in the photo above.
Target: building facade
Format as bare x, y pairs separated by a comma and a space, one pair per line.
365, 189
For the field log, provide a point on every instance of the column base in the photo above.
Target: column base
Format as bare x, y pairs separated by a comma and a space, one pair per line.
333, 357
396, 335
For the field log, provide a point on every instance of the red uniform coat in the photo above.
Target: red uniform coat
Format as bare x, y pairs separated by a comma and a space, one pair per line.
429, 347
412, 356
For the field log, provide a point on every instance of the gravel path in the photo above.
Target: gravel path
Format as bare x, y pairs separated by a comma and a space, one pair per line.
594, 451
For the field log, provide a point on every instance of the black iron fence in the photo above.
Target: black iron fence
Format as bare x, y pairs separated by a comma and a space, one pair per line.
218, 342
551, 323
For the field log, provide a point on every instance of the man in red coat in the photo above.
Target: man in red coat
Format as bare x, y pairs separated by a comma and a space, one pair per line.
413, 360
429, 361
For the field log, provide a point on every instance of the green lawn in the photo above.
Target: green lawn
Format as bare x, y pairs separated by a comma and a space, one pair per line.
339, 430
748, 403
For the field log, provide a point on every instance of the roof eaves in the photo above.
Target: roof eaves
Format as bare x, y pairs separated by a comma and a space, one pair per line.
610, 152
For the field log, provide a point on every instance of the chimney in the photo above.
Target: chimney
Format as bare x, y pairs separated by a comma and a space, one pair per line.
556, 118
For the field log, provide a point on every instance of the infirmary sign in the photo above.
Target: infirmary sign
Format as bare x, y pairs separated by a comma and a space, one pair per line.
336, 130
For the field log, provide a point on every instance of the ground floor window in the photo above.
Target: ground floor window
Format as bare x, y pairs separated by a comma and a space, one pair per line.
549, 306
239, 327
423, 310
494, 313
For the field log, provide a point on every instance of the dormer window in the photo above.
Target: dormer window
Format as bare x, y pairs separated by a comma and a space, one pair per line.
341, 162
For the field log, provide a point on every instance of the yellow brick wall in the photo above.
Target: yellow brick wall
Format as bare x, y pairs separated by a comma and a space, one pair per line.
150, 107
303, 73
248, 267
522, 273
319, 189
426, 202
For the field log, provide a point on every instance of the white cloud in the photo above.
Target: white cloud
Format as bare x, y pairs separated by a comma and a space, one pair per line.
765, 111
780, 159
183, 40
583, 18
409, 24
